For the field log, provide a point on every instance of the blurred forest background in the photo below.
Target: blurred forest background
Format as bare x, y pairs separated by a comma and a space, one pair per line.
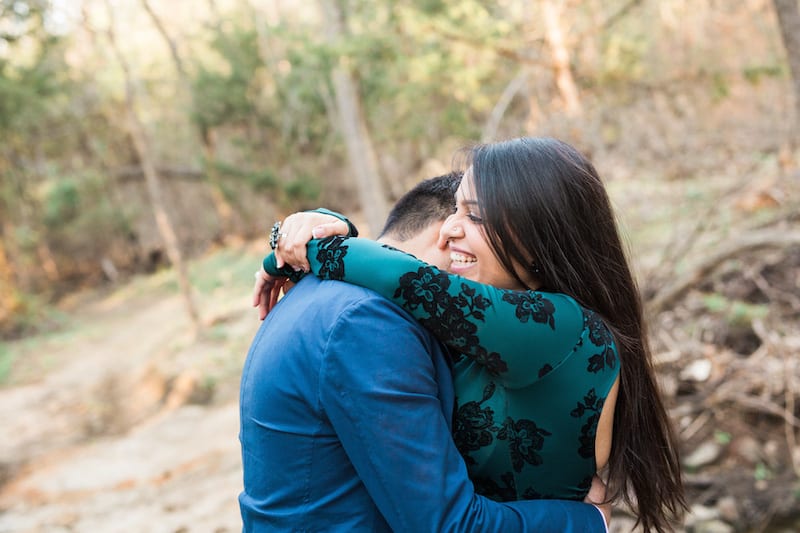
146, 146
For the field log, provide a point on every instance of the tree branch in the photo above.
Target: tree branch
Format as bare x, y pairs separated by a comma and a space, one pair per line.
755, 240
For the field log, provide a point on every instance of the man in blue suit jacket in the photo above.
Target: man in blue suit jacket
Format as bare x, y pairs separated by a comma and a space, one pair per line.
346, 405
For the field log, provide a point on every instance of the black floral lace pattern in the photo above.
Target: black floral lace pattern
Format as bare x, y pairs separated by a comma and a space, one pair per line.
426, 288
450, 317
474, 425
601, 337
330, 255
593, 405
532, 305
525, 439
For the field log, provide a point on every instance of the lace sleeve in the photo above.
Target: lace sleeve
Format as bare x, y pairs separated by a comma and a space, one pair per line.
519, 336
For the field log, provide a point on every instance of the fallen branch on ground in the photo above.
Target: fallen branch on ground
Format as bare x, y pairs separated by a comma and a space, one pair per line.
755, 240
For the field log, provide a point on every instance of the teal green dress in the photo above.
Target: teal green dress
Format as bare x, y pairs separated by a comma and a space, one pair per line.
531, 368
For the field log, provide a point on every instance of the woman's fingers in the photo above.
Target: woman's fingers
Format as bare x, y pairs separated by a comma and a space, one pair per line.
330, 229
297, 230
259, 287
275, 293
292, 246
266, 290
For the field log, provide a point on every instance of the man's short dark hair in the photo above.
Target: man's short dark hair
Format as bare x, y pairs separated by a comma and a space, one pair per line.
430, 201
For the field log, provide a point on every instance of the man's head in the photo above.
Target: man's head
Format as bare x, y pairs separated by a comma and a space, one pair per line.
414, 221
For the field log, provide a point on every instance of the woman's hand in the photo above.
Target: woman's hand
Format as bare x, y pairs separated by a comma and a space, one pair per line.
266, 291
297, 230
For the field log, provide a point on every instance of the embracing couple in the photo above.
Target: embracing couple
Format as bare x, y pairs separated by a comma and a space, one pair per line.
472, 370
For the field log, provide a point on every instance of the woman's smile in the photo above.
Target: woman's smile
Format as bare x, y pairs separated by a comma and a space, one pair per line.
461, 260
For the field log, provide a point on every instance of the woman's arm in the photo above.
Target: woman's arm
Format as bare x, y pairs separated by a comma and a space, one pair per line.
518, 335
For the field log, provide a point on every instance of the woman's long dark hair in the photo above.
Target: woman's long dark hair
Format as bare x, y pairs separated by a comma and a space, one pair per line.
542, 201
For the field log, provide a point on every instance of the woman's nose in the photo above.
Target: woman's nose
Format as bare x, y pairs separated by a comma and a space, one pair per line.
451, 229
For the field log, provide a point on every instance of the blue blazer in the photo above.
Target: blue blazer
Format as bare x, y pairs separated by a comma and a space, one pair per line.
345, 410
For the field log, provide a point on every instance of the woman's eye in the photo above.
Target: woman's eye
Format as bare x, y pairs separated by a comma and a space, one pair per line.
474, 218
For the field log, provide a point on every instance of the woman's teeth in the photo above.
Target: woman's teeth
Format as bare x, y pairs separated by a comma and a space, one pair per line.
456, 257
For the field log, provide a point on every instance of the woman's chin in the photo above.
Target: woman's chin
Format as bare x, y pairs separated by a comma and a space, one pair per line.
465, 270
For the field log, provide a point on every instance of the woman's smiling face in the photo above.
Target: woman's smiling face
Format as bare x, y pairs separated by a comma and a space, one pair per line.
470, 253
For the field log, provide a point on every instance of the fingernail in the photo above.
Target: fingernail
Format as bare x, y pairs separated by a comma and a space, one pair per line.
316, 232
297, 269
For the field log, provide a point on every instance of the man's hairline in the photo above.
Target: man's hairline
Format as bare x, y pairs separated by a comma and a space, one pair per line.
396, 235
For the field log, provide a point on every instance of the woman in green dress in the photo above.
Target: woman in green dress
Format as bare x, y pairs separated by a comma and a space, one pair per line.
543, 316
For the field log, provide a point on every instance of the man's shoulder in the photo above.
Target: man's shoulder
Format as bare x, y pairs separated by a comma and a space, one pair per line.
346, 307
312, 285
341, 296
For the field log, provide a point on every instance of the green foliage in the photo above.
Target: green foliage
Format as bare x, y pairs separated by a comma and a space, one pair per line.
715, 302
223, 90
425, 60
623, 58
762, 472
25, 236
61, 202
302, 85
719, 86
81, 219
431, 7
219, 270
722, 437
26, 314
302, 190
755, 73
260, 180
35, 71
6, 362
735, 312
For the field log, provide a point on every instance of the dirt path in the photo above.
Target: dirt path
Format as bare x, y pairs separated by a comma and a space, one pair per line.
107, 435
179, 472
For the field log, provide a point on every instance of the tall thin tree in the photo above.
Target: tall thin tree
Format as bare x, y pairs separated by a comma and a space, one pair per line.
353, 124
565, 81
140, 144
788, 13
205, 134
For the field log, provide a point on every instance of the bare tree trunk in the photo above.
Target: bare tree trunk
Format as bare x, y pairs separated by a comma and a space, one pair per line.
205, 135
532, 80
264, 23
153, 181
7, 279
353, 126
48, 264
558, 48
788, 14
489, 133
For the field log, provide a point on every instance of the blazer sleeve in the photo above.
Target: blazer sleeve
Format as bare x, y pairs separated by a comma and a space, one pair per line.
380, 393
517, 335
